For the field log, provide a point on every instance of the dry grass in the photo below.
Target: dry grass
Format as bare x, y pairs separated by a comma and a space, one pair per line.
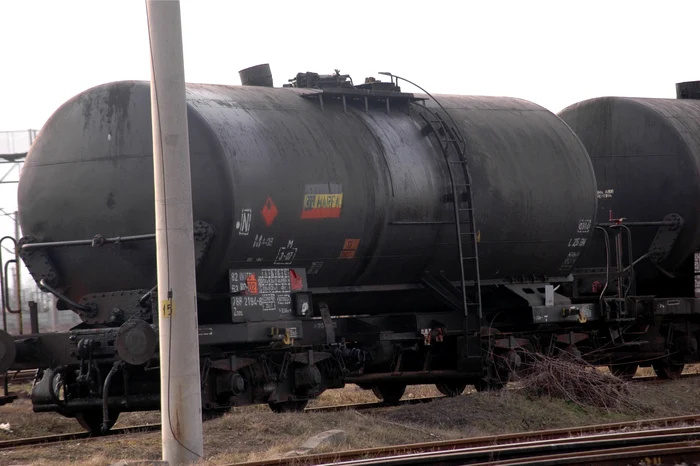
256, 433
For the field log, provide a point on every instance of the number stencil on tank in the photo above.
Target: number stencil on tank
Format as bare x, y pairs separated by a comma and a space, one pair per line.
606, 194
286, 255
584, 226
261, 241
243, 225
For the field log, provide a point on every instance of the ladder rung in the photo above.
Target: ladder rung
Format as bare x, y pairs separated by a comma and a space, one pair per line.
462, 162
466, 209
472, 304
468, 258
463, 185
468, 233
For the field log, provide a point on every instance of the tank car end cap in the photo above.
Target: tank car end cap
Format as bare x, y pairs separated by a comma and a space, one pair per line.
8, 351
136, 342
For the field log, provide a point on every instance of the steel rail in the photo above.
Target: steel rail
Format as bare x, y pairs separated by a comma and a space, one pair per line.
48, 439
678, 452
549, 435
13, 443
557, 448
19, 376
546, 437
373, 404
29, 374
613, 456
489, 443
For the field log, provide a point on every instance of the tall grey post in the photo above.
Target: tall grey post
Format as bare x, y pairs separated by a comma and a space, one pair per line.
179, 347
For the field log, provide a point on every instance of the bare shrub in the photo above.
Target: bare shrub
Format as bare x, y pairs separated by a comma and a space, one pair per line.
571, 378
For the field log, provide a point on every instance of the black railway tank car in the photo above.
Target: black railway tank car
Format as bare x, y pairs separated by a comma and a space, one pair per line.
643, 264
344, 234
646, 156
356, 198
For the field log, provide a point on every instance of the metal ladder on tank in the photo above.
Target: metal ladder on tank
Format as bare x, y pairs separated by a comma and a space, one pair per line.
453, 147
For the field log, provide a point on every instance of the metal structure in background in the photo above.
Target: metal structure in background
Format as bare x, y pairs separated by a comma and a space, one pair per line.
14, 146
5, 291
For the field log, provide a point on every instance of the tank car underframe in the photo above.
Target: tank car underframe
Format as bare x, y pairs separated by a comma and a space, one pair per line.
109, 364
86, 374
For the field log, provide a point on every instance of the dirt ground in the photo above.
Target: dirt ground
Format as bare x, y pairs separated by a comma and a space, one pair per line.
256, 433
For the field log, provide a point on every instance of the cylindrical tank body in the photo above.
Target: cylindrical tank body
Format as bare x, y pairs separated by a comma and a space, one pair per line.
357, 198
646, 156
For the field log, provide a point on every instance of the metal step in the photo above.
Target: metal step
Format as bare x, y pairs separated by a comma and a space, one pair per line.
451, 143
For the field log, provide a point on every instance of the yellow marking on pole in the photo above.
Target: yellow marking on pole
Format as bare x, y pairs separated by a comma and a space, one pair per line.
167, 307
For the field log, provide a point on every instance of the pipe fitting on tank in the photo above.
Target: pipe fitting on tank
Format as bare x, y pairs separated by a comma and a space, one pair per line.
688, 90
258, 75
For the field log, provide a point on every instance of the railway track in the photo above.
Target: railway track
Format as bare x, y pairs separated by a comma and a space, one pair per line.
663, 438
654, 379
17, 377
24, 442
14, 443
421, 400
373, 404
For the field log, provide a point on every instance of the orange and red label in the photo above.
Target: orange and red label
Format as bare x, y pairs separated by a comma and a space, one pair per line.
269, 211
322, 201
349, 248
252, 283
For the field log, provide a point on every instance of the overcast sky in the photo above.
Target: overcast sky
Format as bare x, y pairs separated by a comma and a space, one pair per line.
553, 53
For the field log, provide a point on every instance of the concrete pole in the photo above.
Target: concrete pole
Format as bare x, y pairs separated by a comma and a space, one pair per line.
181, 402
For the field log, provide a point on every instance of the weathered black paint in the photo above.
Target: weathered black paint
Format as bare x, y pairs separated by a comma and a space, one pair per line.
688, 90
90, 172
647, 151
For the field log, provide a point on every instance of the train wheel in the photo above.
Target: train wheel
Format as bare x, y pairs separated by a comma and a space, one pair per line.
92, 420
623, 371
389, 393
668, 371
451, 389
295, 406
